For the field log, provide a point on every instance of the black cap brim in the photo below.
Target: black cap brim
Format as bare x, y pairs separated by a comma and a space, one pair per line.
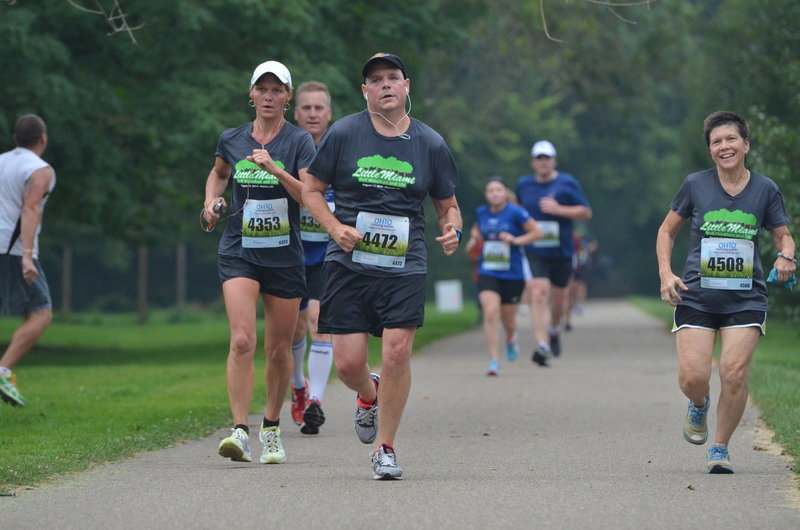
392, 59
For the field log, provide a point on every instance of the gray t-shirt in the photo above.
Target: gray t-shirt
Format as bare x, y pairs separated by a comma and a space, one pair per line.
723, 268
16, 167
272, 229
379, 184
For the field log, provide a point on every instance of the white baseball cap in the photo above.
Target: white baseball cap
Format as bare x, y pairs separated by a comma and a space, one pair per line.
543, 147
275, 68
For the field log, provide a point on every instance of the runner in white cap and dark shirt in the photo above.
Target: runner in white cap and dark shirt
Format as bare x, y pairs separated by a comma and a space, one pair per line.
260, 255
26, 182
381, 164
555, 199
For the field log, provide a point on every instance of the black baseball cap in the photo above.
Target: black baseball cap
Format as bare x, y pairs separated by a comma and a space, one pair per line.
390, 58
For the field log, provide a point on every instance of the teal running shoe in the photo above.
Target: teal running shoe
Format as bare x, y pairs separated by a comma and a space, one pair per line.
512, 349
695, 430
719, 461
494, 367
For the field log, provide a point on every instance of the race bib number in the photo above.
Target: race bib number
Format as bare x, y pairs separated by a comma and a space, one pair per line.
551, 237
384, 240
496, 256
310, 229
265, 224
726, 263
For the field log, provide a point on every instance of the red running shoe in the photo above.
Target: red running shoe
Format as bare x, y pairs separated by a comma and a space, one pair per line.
299, 403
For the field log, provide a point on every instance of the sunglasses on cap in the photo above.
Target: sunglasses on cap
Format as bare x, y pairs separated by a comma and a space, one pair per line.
543, 157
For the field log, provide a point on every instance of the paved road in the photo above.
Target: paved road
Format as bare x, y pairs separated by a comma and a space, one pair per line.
592, 442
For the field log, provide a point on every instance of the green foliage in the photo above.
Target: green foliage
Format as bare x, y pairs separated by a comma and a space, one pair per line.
133, 127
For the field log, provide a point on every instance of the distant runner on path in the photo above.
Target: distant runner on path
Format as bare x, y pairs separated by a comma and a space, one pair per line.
504, 228
555, 199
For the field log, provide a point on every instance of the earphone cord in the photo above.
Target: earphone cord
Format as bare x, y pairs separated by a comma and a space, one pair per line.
396, 126
210, 226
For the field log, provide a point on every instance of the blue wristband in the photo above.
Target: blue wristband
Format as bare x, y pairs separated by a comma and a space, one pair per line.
458, 233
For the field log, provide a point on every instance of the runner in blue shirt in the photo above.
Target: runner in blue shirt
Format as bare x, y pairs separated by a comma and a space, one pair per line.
504, 229
555, 200
312, 113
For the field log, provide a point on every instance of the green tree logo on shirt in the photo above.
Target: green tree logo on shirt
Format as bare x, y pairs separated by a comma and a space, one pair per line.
382, 171
248, 173
725, 223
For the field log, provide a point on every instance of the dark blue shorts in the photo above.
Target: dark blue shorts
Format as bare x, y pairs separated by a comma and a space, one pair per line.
283, 282
357, 303
17, 298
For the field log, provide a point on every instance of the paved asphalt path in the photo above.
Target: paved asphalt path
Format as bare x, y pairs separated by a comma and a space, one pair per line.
592, 442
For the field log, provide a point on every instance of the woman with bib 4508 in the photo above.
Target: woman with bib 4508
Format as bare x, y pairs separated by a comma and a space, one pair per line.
723, 288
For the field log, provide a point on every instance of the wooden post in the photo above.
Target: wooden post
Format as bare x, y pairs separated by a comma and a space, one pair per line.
141, 283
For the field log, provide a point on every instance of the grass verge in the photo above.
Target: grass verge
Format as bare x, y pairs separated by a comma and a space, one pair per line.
774, 377
101, 388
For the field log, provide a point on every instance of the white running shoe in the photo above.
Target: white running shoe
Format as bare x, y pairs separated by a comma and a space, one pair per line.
273, 452
384, 464
236, 446
366, 417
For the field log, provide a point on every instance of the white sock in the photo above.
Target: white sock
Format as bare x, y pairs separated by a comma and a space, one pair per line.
320, 359
553, 331
5, 371
299, 353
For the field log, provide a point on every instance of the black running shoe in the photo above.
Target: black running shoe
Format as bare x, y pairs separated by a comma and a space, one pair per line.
313, 418
555, 344
541, 356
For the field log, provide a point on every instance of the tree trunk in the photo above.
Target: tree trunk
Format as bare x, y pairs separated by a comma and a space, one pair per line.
180, 275
66, 279
141, 283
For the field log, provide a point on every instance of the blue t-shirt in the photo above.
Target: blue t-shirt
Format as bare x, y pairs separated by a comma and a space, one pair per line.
503, 261
565, 189
314, 251
292, 149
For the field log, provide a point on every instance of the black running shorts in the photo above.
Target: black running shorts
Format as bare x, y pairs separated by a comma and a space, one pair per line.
557, 270
357, 303
689, 317
283, 282
510, 291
